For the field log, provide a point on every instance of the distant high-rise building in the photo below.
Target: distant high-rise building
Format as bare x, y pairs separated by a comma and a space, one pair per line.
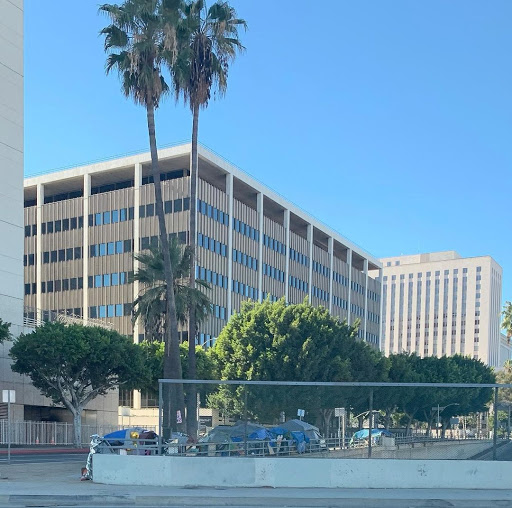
439, 303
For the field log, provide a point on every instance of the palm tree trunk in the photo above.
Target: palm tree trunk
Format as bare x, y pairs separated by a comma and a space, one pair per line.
192, 424
172, 364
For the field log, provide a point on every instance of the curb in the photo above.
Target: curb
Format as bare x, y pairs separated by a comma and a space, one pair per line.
278, 502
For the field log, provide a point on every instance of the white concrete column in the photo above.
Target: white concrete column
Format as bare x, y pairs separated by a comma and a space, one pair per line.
330, 248
261, 226
137, 184
381, 305
85, 243
229, 192
365, 271
349, 263
310, 246
39, 249
287, 265
136, 238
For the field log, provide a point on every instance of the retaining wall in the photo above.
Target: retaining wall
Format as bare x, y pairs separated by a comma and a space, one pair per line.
299, 472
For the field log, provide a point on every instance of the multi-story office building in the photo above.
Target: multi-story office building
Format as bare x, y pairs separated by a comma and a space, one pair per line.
84, 225
440, 304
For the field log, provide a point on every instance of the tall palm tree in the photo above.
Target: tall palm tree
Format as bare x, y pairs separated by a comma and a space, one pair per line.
150, 305
506, 323
136, 42
209, 42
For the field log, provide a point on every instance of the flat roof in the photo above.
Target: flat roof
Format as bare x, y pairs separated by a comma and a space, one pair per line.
218, 161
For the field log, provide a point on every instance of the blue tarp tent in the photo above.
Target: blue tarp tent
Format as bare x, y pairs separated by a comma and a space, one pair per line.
376, 433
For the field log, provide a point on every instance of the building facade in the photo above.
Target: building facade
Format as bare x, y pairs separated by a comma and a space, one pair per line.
84, 225
11, 166
439, 303
505, 350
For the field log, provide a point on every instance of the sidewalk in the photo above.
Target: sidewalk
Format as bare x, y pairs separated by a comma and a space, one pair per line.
59, 484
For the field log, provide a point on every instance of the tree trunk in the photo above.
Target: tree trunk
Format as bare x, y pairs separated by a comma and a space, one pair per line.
172, 364
77, 427
192, 424
387, 418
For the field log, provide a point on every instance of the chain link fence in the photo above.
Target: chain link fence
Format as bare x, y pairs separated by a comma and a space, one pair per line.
338, 420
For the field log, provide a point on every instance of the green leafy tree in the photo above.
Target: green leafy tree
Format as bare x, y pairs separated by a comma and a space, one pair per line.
74, 364
150, 304
5, 332
141, 35
279, 342
209, 42
506, 323
154, 356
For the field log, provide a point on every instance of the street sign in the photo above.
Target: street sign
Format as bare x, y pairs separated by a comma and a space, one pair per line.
301, 412
339, 412
9, 396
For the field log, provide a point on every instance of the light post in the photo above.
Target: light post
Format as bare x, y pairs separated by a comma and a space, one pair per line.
439, 410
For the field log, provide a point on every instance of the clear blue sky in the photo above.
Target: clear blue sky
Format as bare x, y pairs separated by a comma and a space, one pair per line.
390, 121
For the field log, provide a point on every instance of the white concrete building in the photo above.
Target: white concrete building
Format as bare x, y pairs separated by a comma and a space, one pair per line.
439, 303
30, 404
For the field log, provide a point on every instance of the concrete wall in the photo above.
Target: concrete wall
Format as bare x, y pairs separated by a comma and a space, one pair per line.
300, 472
441, 450
11, 163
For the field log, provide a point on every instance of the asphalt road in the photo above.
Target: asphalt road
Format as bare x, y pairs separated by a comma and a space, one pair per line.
36, 458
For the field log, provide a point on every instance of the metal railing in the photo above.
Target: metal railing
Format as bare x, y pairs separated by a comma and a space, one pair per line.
32, 318
440, 420
28, 433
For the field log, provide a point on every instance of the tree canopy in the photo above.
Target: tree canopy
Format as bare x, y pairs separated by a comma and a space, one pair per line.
73, 364
279, 342
5, 332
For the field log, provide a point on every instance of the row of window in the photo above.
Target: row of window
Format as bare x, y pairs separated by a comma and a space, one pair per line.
339, 302
355, 309
297, 283
274, 244
111, 216
211, 244
170, 206
372, 295
321, 269
339, 278
212, 212
56, 226
358, 288
244, 290
244, 229
109, 279
55, 256
371, 337
217, 279
29, 260
245, 259
375, 318
170, 175
111, 310
219, 312
273, 272
109, 248
321, 294
437, 273
51, 286
299, 257
152, 241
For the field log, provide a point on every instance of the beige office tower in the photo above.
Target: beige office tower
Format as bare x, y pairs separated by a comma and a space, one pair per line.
440, 304
84, 225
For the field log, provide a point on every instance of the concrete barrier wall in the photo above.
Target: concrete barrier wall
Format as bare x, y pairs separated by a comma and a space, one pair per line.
299, 472
431, 450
